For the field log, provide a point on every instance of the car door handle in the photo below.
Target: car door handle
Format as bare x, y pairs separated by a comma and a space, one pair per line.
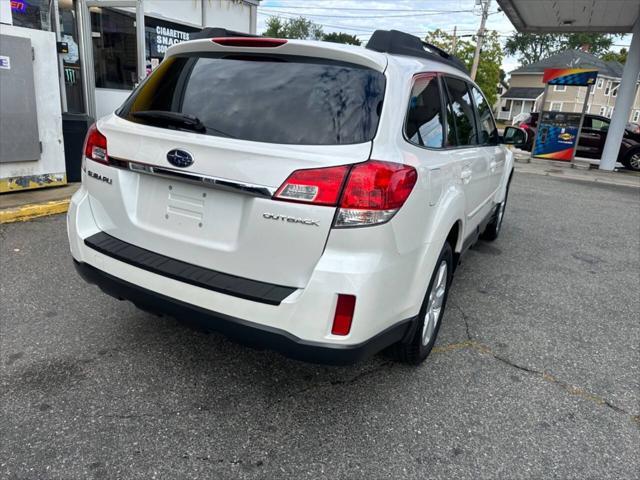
465, 175
492, 165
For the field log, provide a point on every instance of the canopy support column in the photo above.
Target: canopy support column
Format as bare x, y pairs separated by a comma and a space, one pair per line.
624, 102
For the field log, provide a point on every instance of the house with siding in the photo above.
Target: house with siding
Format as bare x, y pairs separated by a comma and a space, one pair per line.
526, 88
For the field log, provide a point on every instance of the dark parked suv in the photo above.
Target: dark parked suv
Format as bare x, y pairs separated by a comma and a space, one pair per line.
592, 138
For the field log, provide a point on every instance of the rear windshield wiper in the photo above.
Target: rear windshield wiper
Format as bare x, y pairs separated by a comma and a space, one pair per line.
184, 120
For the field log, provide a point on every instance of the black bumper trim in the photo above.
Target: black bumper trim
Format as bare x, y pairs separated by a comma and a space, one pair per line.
188, 273
243, 331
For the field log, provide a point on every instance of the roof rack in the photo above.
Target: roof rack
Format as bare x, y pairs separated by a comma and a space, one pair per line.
401, 43
217, 32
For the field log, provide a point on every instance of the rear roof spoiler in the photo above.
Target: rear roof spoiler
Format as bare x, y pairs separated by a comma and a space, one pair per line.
217, 32
401, 43
202, 42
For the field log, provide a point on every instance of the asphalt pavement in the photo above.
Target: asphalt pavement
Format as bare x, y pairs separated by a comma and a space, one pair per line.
536, 373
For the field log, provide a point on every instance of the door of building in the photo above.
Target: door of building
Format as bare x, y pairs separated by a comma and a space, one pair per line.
112, 50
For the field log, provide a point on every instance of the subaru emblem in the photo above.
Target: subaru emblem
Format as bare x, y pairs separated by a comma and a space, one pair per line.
180, 158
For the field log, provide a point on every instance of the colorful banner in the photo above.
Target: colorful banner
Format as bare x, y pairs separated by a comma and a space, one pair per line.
557, 136
579, 77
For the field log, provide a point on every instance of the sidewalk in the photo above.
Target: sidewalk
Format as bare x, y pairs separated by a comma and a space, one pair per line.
551, 168
27, 204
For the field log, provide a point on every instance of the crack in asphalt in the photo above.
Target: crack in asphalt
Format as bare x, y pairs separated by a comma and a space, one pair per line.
466, 321
349, 381
469, 344
473, 344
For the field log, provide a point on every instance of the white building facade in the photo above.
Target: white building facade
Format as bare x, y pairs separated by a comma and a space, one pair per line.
102, 49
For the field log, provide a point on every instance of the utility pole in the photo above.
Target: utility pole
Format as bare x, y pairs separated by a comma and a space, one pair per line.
476, 56
454, 43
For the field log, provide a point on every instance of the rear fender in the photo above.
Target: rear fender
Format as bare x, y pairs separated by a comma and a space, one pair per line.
506, 177
450, 211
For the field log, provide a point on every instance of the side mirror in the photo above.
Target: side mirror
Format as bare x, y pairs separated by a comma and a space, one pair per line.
515, 136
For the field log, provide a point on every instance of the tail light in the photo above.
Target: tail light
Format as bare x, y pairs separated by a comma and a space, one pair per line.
372, 193
344, 315
320, 186
95, 145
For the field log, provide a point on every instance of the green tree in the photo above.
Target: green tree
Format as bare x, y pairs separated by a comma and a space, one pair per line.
533, 47
275, 28
611, 56
340, 37
299, 28
491, 56
597, 43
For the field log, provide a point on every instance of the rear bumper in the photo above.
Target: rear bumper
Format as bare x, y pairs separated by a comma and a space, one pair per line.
249, 333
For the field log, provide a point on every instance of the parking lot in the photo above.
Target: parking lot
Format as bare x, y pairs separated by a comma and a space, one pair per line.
536, 373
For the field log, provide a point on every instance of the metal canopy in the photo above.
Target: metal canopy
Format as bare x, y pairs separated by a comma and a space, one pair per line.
561, 16
606, 16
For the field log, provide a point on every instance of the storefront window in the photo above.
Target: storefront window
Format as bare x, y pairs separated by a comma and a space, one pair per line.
114, 48
160, 35
114, 45
71, 60
31, 14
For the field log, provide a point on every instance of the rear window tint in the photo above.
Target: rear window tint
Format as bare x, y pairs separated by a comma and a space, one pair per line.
424, 124
274, 99
461, 108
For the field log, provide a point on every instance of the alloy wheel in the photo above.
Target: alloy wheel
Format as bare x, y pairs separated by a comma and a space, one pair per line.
434, 305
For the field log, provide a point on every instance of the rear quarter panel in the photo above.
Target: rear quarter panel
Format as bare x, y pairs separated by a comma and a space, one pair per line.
436, 203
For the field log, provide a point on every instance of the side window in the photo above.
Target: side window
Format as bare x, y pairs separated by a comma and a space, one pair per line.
424, 125
487, 131
600, 125
462, 111
452, 138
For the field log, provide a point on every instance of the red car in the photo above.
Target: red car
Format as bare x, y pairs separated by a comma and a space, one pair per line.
592, 138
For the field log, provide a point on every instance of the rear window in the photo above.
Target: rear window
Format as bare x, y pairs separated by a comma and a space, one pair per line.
274, 99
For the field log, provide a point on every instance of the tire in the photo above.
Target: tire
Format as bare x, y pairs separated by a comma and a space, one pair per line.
415, 350
632, 160
492, 230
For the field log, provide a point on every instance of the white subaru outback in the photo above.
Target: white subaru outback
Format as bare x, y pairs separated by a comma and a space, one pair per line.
309, 197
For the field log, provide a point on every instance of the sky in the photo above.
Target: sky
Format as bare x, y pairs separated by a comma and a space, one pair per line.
362, 17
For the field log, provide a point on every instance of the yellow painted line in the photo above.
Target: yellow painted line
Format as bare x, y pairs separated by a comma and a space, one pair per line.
453, 347
35, 210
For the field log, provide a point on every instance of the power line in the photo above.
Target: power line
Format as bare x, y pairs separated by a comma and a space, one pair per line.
368, 31
443, 12
342, 27
358, 9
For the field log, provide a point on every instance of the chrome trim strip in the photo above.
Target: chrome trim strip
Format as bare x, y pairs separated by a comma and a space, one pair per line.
203, 180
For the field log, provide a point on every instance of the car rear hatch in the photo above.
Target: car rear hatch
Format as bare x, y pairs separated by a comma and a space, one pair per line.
197, 152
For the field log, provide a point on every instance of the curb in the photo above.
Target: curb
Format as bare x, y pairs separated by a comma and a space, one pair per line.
34, 210
580, 178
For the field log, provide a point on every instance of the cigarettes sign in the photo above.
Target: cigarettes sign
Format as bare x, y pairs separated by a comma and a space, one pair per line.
165, 37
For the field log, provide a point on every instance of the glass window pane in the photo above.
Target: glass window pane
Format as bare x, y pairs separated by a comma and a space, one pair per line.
424, 124
488, 133
462, 111
266, 98
160, 35
597, 124
71, 60
114, 49
31, 14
